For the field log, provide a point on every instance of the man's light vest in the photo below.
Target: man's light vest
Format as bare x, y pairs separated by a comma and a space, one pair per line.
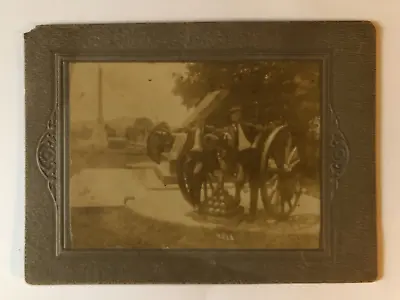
242, 141
197, 140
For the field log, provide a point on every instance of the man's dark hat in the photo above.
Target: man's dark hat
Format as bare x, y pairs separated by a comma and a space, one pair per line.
235, 109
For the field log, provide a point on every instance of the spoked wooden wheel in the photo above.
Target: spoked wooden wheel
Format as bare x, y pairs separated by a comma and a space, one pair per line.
281, 188
193, 183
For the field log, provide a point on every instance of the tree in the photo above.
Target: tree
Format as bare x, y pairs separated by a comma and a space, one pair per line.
131, 133
143, 123
277, 87
111, 132
139, 129
278, 90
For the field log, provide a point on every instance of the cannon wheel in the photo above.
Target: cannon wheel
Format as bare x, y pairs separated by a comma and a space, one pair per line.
160, 140
184, 169
280, 180
213, 198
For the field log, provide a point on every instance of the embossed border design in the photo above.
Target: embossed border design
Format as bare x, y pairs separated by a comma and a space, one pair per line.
340, 152
48, 50
46, 155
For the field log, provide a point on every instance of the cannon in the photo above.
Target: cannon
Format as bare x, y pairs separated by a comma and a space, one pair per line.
204, 160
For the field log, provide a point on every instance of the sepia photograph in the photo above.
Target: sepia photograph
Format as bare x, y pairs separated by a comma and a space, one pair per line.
195, 155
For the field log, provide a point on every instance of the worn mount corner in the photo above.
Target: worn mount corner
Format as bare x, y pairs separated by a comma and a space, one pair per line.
340, 153
46, 155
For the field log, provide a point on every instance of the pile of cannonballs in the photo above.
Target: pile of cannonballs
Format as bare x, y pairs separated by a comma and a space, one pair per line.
221, 203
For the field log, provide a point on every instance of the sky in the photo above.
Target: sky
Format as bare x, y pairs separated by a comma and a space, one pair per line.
130, 89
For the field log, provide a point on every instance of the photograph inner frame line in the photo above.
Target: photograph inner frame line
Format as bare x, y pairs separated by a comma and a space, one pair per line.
63, 61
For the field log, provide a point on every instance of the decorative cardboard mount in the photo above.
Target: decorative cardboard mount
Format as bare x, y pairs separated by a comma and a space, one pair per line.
348, 241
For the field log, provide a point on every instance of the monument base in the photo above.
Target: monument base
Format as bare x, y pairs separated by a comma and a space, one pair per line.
165, 174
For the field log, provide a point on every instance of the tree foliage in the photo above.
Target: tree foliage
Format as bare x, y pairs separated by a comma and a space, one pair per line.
140, 127
111, 132
272, 90
143, 123
279, 89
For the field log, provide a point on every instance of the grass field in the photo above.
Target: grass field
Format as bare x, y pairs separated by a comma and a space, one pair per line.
122, 228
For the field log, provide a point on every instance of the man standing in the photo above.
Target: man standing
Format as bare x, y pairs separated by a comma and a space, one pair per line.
247, 155
202, 161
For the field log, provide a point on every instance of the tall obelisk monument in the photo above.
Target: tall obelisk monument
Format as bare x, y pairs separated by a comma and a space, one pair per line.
99, 136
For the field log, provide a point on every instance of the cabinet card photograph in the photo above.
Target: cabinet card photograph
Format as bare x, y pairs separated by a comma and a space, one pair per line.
199, 155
